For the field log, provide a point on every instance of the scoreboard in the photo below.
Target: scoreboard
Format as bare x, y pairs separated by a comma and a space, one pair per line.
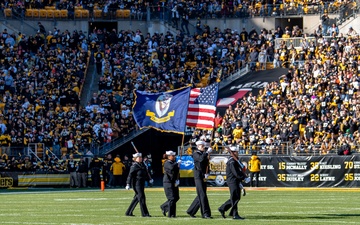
293, 171
310, 171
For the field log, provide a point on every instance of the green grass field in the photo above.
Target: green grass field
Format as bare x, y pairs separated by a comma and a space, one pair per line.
259, 206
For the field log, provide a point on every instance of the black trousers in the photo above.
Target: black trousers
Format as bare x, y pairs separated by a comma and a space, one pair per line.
201, 200
172, 195
256, 175
235, 195
98, 67
138, 198
117, 180
95, 178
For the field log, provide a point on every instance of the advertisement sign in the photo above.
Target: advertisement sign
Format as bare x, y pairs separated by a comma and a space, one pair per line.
28, 179
291, 171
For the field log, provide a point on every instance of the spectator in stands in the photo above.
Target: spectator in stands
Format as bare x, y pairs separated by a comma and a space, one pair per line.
71, 11
253, 58
351, 32
41, 28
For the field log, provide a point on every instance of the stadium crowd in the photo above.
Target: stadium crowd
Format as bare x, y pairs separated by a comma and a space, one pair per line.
314, 107
186, 9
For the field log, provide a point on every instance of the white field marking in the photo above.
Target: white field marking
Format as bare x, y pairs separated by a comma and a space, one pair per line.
302, 221
38, 223
38, 192
12, 222
217, 194
302, 212
88, 199
10, 214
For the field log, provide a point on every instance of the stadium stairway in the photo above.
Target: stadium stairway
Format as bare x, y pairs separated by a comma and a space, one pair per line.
90, 85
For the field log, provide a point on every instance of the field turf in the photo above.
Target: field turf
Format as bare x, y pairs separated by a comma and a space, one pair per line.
260, 206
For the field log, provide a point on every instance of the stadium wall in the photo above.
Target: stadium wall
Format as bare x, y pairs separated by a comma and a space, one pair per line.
276, 171
308, 23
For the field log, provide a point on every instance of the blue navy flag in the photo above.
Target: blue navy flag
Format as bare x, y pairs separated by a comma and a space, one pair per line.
164, 111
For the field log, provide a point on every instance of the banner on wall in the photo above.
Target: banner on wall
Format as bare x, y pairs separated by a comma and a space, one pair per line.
290, 171
251, 82
28, 179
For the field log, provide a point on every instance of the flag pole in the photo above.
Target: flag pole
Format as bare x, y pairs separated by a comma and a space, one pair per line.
182, 145
183, 137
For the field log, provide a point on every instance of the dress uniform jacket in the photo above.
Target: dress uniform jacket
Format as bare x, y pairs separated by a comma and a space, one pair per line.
171, 174
234, 176
137, 176
201, 162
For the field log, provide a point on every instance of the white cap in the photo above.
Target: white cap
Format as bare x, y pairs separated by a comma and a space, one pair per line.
200, 143
138, 154
233, 149
170, 152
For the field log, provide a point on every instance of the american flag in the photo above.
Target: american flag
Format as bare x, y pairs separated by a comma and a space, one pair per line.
202, 107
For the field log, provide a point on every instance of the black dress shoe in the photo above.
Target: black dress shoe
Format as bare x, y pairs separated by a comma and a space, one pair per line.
238, 218
129, 214
147, 215
163, 211
207, 217
191, 215
222, 212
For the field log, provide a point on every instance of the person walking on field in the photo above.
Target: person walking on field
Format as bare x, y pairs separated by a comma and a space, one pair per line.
138, 174
201, 163
171, 184
234, 177
117, 168
254, 168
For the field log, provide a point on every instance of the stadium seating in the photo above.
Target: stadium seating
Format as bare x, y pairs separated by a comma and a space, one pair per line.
29, 13
64, 14
78, 13
97, 13
50, 13
126, 13
57, 13
35, 13
43, 13
85, 13
50, 7
119, 13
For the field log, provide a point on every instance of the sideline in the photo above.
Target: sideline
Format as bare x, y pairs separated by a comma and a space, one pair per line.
160, 189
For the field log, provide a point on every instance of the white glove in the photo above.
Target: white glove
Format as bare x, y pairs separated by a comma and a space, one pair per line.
247, 180
151, 181
179, 161
209, 150
177, 182
127, 187
206, 176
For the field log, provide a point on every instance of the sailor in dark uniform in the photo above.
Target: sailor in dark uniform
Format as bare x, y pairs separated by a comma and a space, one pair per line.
138, 174
171, 184
234, 177
201, 163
